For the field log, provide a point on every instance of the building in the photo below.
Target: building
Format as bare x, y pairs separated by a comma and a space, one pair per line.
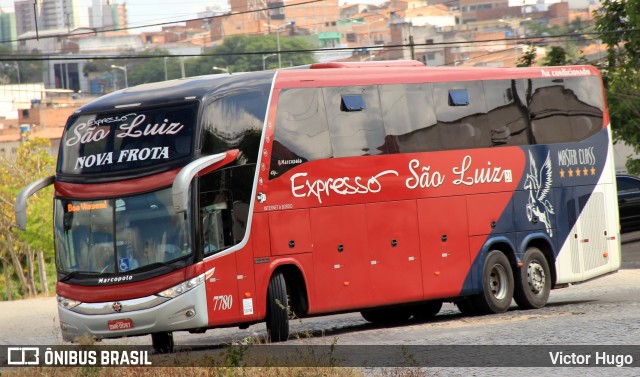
8, 29
46, 15
42, 118
105, 14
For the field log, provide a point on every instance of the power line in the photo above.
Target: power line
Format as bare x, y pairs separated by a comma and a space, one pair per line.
103, 30
480, 43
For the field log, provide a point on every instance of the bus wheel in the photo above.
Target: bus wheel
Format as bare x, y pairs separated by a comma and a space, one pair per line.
427, 310
387, 315
277, 309
533, 280
497, 284
162, 342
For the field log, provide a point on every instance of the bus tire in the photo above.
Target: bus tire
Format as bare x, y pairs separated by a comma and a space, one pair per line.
427, 310
497, 285
386, 315
162, 342
277, 309
533, 280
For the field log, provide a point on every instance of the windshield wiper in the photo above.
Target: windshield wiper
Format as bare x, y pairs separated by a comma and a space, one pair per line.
74, 274
156, 265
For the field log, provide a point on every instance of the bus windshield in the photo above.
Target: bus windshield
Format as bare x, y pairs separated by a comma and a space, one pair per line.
119, 235
122, 140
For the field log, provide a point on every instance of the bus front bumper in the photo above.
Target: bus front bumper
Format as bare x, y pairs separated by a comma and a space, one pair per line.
187, 311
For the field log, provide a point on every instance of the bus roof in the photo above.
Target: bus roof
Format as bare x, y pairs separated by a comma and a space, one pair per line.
344, 74
319, 74
191, 88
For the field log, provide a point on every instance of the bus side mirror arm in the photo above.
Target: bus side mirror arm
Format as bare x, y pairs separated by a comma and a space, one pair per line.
180, 188
20, 207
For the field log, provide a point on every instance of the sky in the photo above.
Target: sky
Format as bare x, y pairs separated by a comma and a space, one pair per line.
145, 12
149, 11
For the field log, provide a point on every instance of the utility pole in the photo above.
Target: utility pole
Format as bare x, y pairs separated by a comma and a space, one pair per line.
412, 47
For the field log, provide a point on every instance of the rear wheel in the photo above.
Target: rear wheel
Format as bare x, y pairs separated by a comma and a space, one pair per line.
162, 342
497, 285
277, 309
533, 280
386, 315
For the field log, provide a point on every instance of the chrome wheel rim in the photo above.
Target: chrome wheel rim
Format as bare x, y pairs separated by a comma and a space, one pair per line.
536, 277
498, 281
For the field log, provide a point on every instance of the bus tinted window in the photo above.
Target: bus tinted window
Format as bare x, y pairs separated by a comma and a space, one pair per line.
506, 112
235, 122
132, 139
565, 110
302, 132
461, 127
225, 196
409, 118
354, 133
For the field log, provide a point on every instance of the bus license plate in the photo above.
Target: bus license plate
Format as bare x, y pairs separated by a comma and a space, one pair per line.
120, 324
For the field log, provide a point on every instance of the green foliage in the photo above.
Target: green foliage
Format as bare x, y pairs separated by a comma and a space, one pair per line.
32, 162
528, 58
555, 56
617, 22
239, 53
244, 53
14, 72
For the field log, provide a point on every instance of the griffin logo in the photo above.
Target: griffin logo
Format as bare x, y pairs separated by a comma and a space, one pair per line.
117, 307
539, 184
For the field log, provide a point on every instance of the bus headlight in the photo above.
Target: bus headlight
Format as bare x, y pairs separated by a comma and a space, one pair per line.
67, 303
183, 287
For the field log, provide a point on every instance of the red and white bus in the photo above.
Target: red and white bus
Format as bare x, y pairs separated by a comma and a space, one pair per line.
384, 187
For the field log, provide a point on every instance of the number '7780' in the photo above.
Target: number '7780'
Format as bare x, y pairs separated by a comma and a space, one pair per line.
222, 302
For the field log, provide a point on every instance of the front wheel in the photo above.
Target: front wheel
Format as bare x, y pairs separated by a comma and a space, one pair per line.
533, 280
277, 309
162, 342
497, 285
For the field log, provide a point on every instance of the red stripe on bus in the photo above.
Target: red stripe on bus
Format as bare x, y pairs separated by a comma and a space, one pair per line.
126, 291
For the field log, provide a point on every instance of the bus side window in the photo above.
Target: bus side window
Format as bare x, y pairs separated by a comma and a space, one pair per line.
565, 110
506, 112
355, 126
409, 118
214, 214
463, 123
301, 132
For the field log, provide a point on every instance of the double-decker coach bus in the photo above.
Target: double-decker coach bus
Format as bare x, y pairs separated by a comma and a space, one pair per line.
386, 188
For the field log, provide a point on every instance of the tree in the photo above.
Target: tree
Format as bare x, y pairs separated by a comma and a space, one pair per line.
528, 58
618, 22
555, 56
244, 53
18, 249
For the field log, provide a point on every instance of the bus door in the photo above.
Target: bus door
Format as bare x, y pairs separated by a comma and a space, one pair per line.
340, 257
216, 228
394, 252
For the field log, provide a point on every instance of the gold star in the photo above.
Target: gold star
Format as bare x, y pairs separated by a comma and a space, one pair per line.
585, 171
577, 172
561, 173
593, 171
570, 173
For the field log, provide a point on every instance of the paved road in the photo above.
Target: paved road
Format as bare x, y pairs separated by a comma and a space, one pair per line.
603, 311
